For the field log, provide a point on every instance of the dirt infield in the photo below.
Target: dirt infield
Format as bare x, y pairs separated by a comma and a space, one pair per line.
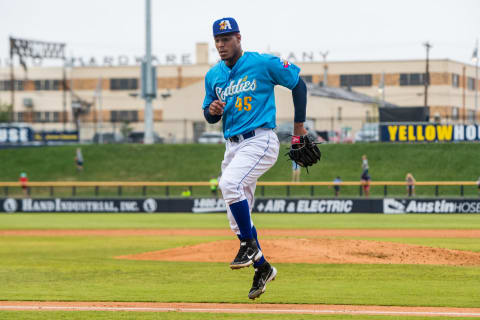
239, 308
297, 245
343, 251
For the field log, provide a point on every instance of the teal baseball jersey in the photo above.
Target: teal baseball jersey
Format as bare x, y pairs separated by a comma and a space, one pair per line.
248, 90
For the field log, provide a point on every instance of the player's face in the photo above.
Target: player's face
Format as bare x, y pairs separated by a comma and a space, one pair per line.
228, 45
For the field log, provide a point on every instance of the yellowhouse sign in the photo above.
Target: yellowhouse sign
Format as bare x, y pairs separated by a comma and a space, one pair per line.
429, 132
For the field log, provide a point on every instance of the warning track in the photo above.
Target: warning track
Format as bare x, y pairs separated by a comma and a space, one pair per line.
253, 308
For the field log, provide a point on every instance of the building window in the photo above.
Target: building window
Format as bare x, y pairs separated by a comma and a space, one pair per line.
124, 84
471, 83
37, 117
455, 113
412, 79
124, 116
307, 78
20, 116
47, 85
455, 80
56, 116
355, 80
5, 85
339, 113
471, 116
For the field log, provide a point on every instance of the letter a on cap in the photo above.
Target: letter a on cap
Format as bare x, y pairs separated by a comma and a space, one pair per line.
225, 25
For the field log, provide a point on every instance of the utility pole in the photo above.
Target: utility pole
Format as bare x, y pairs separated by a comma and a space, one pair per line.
99, 124
325, 68
475, 58
12, 82
382, 87
426, 80
64, 91
148, 135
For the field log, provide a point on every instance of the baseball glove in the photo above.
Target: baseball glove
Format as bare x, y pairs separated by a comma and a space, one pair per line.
304, 151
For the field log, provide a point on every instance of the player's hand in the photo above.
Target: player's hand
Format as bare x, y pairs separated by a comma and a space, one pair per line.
216, 108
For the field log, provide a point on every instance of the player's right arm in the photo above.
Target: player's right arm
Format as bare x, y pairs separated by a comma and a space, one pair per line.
212, 107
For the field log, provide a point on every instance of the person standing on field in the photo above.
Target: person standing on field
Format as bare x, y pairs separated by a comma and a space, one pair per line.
410, 180
365, 177
79, 159
24, 183
295, 172
239, 91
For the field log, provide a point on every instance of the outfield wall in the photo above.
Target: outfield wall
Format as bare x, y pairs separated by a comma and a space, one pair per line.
262, 205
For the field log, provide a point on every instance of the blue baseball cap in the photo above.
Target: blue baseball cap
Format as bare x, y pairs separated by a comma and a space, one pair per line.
225, 25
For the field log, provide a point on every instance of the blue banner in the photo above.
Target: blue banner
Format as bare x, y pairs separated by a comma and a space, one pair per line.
15, 135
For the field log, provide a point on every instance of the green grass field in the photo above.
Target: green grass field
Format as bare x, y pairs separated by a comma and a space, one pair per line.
83, 268
427, 162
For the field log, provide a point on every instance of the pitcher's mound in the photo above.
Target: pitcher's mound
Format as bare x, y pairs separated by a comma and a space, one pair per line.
295, 250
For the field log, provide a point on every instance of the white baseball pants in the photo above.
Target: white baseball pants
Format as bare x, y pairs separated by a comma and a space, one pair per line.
244, 162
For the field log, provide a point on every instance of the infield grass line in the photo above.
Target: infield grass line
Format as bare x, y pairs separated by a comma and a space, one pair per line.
219, 221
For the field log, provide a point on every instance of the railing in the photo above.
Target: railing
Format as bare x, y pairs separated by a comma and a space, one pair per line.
172, 188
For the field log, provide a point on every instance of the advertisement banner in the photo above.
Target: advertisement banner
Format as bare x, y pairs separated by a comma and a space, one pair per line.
429, 133
18, 135
56, 136
395, 206
262, 205
15, 135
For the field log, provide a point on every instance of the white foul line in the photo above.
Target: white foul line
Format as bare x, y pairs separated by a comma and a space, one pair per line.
233, 310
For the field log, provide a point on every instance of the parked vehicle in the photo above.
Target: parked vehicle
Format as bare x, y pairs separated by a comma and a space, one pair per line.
138, 137
108, 137
211, 137
369, 132
285, 131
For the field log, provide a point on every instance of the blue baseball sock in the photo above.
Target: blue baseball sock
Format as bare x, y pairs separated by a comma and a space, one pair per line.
241, 213
262, 259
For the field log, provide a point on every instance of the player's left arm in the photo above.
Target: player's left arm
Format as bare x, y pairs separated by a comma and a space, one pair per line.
287, 74
299, 95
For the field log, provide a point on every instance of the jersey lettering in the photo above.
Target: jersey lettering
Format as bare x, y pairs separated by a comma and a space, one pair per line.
242, 85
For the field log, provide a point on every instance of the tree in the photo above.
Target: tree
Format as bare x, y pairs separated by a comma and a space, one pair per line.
5, 112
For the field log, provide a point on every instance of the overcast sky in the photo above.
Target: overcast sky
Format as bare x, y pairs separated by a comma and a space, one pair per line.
348, 29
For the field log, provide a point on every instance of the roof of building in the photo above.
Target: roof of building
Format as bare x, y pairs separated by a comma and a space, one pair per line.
345, 94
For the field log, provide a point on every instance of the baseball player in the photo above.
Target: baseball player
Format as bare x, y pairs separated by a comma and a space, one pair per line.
239, 91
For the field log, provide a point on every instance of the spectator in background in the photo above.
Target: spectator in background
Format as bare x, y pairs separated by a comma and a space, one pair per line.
365, 178
295, 172
79, 159
410, 180
336, 185
478, 185
23, 183
186, 192
214, 186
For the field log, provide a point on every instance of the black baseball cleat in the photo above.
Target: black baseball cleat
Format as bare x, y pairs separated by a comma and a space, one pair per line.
247, 254
263, 274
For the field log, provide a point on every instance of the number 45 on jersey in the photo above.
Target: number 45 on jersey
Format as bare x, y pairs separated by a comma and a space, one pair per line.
243, 104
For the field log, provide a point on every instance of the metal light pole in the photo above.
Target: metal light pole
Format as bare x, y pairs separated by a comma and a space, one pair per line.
148, 135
